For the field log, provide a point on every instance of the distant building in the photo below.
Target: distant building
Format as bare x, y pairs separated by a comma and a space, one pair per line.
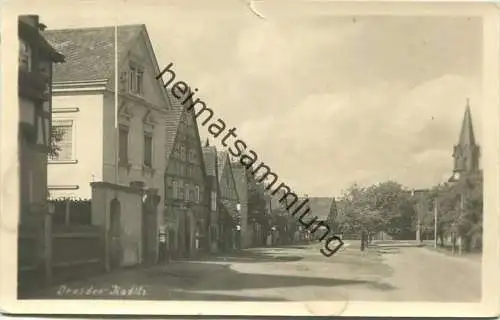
36, 58
251, 231
231, 208
323, 209
467, 175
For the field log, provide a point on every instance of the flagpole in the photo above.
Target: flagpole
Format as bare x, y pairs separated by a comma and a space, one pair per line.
116, 134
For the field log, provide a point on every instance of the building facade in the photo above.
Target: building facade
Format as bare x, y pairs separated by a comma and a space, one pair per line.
186, 213
213, 195
110, 110
36, 57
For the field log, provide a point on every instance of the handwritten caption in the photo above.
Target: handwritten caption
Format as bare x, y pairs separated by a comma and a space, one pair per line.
112, 290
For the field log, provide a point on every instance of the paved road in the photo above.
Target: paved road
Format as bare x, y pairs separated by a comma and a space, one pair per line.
294, 273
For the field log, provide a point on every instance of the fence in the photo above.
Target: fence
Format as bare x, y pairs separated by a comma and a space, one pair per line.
60, 248
69, 211
30, 272
78, 251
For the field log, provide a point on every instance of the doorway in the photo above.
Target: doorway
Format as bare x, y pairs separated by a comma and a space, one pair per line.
115, 251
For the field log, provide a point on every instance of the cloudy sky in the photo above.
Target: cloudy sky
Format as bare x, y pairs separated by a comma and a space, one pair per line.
324, 100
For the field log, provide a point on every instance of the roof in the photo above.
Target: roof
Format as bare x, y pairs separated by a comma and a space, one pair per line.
230, 207
467, 137
320, 206
89, 52
240, 180
221, 162
173, 118
210, 159
36, 37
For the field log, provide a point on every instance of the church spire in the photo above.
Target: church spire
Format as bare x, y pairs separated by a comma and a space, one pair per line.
466, 152
467, 132
207, 143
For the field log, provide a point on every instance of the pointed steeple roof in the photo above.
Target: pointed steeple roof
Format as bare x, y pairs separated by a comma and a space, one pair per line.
467, 137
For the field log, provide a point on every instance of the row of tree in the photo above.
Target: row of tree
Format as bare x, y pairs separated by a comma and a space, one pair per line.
391, 208
460, 212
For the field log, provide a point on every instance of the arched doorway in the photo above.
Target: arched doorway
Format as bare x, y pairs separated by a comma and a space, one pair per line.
115, 252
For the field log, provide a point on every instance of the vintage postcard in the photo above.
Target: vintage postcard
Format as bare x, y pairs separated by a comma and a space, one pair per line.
250, 157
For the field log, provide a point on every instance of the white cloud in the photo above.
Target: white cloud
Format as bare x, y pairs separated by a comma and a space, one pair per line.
384, 132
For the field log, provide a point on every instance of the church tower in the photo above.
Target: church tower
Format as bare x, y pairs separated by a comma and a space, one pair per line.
466, 153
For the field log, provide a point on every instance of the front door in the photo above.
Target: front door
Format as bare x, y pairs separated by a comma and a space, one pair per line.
115, 251
187, 235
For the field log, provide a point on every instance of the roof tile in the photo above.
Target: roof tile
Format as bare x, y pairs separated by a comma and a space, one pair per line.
89, 52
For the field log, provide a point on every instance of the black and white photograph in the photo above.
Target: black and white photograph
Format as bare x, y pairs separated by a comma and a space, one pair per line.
250, 158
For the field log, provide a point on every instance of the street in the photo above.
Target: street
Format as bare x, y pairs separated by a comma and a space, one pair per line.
293, 273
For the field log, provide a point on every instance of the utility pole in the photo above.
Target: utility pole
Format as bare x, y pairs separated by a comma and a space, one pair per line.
436, 203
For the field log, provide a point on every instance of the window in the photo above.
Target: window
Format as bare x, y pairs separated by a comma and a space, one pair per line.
213, 200
123, 144
174, 189
62, 130
148, 149
24, 55
181, 169
139, 78
197, 194
180, 191
183, 152
192, 156
187, 188
135, 80
189, 171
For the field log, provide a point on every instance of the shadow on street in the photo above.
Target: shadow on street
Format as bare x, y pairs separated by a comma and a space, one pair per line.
189, 280
246, 256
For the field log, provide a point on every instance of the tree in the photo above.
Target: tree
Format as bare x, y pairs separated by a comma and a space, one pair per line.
360, 214
469, 220
333, 215
386, 206
56, 136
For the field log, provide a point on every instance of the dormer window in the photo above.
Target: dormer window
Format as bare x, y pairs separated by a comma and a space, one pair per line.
136, 78
24, 55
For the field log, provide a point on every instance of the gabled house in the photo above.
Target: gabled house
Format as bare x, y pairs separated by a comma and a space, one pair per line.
111, 111
229, 214
186, 204
213, 192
